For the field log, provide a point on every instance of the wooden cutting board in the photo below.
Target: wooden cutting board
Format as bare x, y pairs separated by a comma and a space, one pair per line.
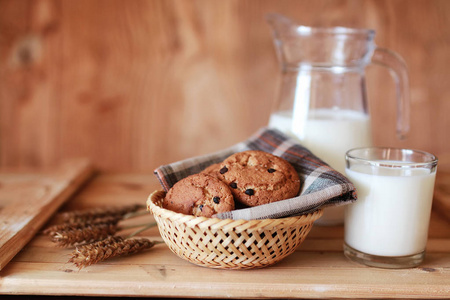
28, 198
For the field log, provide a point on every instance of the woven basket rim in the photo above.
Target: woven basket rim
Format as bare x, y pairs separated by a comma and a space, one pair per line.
236, 225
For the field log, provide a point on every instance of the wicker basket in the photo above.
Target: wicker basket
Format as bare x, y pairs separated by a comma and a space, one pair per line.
229, 244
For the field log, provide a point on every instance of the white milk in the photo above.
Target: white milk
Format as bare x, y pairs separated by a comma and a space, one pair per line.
328, 134
392, 213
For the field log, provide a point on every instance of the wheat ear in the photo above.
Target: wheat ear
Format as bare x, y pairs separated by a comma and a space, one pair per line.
113, 246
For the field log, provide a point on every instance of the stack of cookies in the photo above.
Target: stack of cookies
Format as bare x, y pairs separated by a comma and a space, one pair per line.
244, 179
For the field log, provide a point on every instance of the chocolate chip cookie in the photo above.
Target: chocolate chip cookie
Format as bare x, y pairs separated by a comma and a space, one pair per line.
212, 170
258, 177
199, 195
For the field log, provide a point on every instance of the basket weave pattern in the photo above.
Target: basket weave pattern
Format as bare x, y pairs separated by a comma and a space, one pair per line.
229, 244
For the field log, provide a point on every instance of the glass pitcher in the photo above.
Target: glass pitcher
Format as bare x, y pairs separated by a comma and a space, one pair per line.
322, 99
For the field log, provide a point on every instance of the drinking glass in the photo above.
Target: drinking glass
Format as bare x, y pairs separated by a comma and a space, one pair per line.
388, 225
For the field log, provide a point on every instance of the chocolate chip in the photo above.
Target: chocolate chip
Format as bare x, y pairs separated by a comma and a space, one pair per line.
249, 192
233, 185
271, 170
223, 170
200, 206
216, 200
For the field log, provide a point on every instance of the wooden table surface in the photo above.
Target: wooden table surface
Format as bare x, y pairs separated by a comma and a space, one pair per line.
317, 269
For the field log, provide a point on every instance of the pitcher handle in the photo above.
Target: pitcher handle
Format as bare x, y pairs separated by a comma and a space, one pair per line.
399, 71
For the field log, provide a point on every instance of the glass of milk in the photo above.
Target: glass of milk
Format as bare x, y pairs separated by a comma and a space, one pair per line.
387, 226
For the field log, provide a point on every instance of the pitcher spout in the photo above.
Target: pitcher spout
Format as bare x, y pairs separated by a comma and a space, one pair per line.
284, 26
279, 23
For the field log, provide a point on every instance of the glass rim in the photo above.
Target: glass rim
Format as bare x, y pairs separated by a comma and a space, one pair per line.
431, 160
306, 30
337, 30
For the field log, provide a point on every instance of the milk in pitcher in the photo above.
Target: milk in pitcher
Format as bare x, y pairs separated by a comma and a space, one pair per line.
328, 133
322, 98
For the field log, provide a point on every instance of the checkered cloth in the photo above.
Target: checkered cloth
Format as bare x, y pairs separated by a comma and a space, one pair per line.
322, 186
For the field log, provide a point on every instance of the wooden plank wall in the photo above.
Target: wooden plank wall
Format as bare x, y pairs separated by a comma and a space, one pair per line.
135, 84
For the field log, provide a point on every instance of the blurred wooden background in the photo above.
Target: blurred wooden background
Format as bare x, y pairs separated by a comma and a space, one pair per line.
139, 83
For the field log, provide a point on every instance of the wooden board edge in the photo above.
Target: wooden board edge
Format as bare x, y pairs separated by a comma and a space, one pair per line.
78, 172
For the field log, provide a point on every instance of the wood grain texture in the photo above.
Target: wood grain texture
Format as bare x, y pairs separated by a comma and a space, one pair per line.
317, 269
29, 198
135, 84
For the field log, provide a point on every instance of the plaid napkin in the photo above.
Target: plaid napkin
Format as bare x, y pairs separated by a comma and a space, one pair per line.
321, 185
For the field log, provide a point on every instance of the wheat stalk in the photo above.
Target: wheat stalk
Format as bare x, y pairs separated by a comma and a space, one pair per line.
85, 226
113, 246
92, 214
73, 235
93, 233
52, 230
